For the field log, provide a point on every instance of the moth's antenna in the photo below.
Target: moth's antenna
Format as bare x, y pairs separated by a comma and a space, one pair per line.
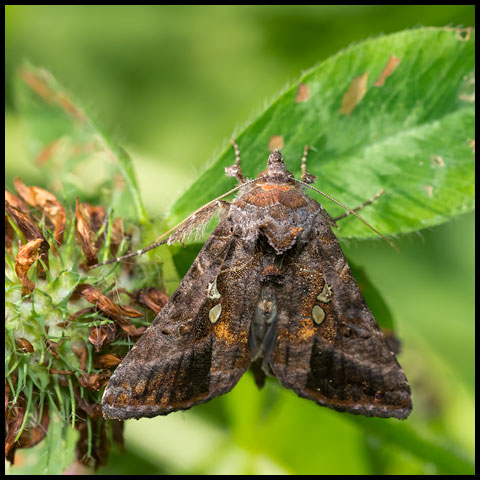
162, 240
352, 212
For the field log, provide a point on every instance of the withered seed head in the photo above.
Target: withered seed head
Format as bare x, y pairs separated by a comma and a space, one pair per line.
59, 346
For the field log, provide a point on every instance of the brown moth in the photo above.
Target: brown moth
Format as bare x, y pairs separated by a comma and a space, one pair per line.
270, 290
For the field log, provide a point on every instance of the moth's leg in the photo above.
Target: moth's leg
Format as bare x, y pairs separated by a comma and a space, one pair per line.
235, 170
306, 176
364, 204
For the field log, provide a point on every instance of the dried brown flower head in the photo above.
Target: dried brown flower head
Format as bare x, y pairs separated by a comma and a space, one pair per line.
67, 328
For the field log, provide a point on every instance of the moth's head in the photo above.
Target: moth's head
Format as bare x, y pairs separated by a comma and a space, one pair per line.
275, 164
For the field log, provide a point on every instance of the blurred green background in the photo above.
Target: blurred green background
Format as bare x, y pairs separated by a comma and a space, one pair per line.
171, 83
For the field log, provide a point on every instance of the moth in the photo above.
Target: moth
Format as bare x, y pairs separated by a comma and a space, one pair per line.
270, 290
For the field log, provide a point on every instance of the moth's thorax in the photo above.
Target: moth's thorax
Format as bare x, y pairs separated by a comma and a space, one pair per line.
280, 213
269, 194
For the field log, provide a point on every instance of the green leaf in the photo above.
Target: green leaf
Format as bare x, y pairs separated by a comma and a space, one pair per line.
79, 156
411, 135
54, 454
59, 448
375, 301
183, 257
444, 455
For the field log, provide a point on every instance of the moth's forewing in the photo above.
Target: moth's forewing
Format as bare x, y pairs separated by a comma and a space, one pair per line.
196, 349
329, 347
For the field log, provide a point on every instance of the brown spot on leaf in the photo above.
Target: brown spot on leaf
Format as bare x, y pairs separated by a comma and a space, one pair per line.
47, 153
437, 161
111, 155
65, 148
276, 142
26, 257
389, 68
467, 88
303, 93
429, 190
354, 94
39, 83
119, 182
69, 107
464, 34
472, 146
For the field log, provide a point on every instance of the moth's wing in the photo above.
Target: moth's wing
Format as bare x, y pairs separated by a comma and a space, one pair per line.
196, 348
343, 361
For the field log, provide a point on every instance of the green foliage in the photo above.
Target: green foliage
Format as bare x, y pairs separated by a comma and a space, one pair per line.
71, 147
252, 432
411, 136
49, 376
54, 455
443, 455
